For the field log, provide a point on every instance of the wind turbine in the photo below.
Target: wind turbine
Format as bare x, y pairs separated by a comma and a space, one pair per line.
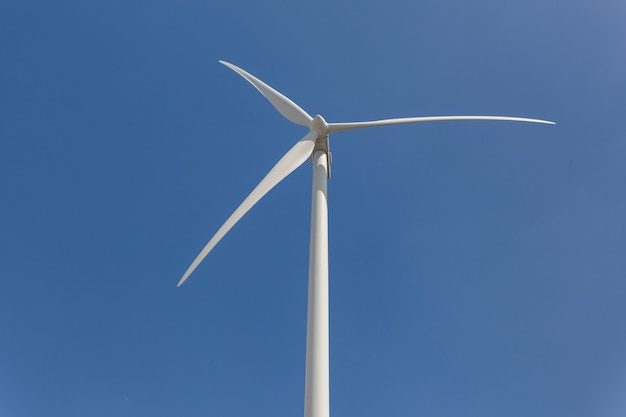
313, 145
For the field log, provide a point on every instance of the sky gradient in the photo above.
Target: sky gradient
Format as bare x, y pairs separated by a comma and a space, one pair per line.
476, 268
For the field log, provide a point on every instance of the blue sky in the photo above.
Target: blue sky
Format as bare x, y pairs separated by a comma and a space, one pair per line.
476, 268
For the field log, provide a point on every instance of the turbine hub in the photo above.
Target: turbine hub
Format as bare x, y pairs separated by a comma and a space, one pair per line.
320, 125
321, 143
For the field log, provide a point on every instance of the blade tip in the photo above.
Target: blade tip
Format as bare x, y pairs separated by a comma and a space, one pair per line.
228, 64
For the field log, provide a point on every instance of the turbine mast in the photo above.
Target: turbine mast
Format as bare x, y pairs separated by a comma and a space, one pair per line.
316, 390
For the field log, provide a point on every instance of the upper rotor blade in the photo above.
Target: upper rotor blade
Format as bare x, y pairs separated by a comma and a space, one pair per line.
285, 106
299, 153
339, 127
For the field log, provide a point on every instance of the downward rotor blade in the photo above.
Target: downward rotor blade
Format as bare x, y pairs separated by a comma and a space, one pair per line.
285, 106
339, 127
300, 152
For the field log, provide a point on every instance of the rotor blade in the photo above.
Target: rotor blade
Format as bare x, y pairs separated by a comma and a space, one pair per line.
285, 106
340, 127
299, 153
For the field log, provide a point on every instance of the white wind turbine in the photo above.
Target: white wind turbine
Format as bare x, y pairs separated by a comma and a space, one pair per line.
313, 145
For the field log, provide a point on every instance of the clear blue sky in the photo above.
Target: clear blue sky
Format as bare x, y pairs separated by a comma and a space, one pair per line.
477, 268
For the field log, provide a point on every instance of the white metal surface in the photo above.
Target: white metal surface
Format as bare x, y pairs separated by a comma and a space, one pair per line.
340, 127
316, 387
299, 153
284, 105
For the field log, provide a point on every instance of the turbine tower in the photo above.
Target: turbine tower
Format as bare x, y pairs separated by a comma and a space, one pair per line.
313, 145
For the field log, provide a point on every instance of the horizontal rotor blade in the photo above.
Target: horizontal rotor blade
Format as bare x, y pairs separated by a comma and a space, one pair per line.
299, 153
284, 105
340, 127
